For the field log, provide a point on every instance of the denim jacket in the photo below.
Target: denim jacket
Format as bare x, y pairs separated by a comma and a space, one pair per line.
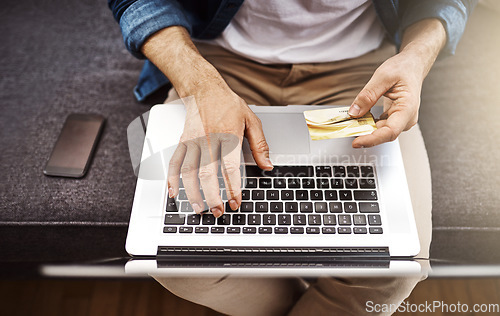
206, 19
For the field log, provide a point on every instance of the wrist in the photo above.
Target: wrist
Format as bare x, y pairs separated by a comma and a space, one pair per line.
422, 42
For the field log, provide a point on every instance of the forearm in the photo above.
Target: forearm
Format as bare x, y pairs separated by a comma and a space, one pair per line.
422, 42
173, 52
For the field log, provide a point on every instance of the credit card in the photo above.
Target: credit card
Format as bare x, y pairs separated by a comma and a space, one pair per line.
336, 123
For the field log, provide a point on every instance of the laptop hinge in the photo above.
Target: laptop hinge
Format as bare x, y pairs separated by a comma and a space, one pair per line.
272, 254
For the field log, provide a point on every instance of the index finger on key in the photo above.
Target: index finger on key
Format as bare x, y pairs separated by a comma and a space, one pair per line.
230, 167
174, 169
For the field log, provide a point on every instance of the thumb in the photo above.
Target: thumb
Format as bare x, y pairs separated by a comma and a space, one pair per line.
258, 144
369, 95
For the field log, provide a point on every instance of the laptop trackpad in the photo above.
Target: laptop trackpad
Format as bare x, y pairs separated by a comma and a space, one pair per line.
286, 133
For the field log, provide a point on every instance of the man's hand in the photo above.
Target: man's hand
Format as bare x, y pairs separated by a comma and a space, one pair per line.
400, 80
216, 122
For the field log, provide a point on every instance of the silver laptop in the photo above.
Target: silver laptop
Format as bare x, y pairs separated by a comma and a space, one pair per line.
324, 203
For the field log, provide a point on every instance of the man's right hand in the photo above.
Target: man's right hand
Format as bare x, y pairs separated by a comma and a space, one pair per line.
216, 122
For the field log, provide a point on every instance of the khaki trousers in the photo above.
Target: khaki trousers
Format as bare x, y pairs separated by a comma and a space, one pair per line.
335, 83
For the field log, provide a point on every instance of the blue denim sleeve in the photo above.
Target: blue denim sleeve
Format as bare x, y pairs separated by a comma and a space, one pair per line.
452, 13
142, 18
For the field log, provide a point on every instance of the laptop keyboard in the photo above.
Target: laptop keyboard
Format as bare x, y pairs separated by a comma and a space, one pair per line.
289, 200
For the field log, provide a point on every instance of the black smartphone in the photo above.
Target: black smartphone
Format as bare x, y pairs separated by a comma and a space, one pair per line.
75, 146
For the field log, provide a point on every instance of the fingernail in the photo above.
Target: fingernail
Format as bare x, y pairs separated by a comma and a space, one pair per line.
171, 192
197, 209
216, 212
233, 205
354, 110
268, 163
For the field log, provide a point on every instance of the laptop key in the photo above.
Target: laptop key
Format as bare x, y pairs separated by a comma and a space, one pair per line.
251, 183
297, 230
360, 230
367, 171
265, 230
353, 171
376, 230
233, 230
182, 195
323, 171
193, 219
185, 230
301, 195
345, 195
299, 219
359, 220
249, 230
229, 210
273, 195
374, 220
312, 230
350, 207
337, 183
368, 207
323, 183
316, 195
291, 207
239, 219
261, 207
345, 220
279, 183
329, 220
365, 195
339, 171
293, 183
276, 207
281, 230
284, 220
186, 207
171, 205
308, 183
335, 207
169, 230
314, 220
208, 219
225, 219
246, 207
287, 194
245, 195
265, 183
344, 230
257, 194
254, 219
320, 207
367, 183
351, 183
201, 230
175, 219
328, 230
330, 195
269, 219
306, 207
217, 230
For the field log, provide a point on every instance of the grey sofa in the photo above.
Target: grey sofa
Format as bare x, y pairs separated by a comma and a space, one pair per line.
59, 57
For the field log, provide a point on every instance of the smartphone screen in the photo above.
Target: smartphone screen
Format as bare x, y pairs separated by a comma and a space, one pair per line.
73, 150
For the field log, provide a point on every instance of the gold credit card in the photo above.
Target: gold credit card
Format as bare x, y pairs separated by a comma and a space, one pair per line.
336, 123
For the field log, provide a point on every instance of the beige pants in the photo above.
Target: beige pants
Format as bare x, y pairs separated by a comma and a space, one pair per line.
335, 83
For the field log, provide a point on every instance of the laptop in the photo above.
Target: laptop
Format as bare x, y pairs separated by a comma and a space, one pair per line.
325, 205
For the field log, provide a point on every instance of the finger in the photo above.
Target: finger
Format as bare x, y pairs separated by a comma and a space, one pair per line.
230, 167
189, 172
207, 173
174, 170
376, 87
257, 142
387, 131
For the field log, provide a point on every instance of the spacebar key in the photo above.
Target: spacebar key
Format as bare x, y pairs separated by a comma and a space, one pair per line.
174, 219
